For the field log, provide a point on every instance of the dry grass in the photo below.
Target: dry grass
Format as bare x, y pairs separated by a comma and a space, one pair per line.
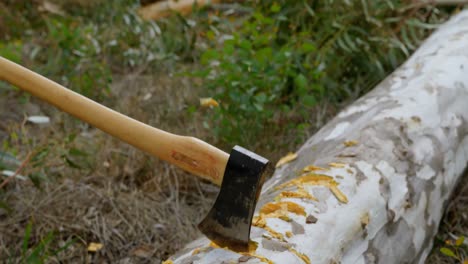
455, 222
139, 208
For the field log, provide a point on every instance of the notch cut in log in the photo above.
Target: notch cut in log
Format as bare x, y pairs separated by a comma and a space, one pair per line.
380, 199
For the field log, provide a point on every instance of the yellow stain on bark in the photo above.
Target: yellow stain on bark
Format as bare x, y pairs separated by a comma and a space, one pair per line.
350, 143
365, 220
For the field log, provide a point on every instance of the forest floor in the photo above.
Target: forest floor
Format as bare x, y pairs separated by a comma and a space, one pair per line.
85, 187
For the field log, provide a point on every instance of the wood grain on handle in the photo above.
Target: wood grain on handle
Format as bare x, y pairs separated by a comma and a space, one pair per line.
188, 153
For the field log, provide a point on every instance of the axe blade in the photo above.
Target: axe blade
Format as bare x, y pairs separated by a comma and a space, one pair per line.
229, 220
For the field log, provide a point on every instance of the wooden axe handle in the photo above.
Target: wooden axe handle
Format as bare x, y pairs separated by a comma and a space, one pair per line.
188, 153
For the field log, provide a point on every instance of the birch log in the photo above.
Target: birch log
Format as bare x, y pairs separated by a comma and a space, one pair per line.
371, 185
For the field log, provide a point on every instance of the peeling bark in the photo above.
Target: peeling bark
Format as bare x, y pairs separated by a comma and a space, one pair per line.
383, 171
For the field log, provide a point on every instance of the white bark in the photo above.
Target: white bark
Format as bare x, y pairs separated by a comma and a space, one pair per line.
411, 146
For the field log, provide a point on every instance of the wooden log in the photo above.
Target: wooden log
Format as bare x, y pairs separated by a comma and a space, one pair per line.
371, 185
162, 9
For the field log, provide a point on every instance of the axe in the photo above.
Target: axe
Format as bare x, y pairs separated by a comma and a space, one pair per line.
240, 174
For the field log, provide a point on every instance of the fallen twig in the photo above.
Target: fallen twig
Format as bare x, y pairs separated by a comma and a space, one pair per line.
20, 168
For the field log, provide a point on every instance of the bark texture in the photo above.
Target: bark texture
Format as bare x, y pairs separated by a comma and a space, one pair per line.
371, 185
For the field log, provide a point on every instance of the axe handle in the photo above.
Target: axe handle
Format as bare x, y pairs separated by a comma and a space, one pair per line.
188, 153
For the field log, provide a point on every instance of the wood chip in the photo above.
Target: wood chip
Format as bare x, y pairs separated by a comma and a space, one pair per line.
286, 159
281, 208
311, 168
300, 255
338, 194
336, 165
301, 193
208, 102
94, 247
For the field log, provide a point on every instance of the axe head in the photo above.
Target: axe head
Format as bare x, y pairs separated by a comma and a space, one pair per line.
229, 220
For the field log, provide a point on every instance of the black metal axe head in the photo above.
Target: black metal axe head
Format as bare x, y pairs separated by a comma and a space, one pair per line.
229, 220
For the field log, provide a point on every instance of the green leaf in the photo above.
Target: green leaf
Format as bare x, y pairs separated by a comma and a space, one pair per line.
11, 51
447, 252
309, 100
301, 83
37, 178
71, 163
307, 47
459, 241
27, 235
275, 8
261, 98
64, 247
40, 252
77, 152
208, 56
5, 207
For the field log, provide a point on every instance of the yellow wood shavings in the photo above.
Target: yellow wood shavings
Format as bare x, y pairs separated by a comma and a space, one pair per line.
259, 221
300, 255
252, 247
310, 168
336, 165
208, 102
281, 208
214, 245
274, 234
350, 143
288, 234
310, 178
202, 249
168, 262
93, 247
286, 159
300, 193
318, 180
338, 194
